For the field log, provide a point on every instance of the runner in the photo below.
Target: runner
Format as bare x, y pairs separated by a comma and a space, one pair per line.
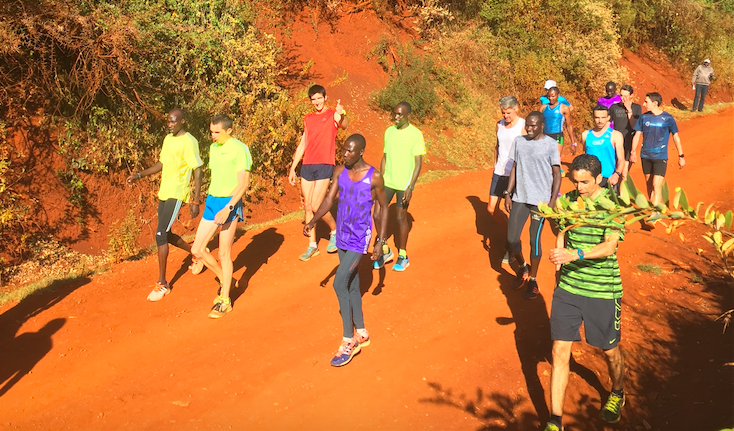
535, 178
508, 128
607, 145
178, 157
562, 100
590, 291
230, 163
358, 185
400, 166
555, 114
611, 97
317, 149
624, 116
656, 127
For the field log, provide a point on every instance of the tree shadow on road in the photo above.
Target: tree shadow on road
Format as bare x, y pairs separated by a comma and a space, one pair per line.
20, 353
261, 248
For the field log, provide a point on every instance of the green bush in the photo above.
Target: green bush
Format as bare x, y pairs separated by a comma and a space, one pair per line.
123, 238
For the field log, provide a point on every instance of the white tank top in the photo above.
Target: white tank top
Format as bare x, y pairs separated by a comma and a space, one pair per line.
505, 137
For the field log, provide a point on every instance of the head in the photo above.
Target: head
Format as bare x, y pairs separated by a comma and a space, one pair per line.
553, 94
401, 114
354, 149
221, 128
534, 123
549, 83
317, 94
653, 100
626, 93
601, 117
707, 62
585, 174
611, 89
508, 105
176, 121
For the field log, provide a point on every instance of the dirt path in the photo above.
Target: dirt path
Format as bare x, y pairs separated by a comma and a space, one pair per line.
453, 347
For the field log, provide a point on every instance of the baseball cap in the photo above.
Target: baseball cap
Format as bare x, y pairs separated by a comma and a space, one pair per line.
707, 61
550, 84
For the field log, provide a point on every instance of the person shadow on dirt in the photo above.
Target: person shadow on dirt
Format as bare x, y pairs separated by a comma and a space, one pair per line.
261, 248
532, 323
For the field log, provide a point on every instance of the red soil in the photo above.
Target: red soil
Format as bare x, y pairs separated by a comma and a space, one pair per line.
454, 347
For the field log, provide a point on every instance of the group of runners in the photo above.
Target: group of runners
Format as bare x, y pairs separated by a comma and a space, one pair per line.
527, 171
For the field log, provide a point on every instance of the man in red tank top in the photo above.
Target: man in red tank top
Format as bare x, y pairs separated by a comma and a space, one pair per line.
317, 149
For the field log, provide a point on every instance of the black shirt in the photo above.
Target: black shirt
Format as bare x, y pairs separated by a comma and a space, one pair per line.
621, 122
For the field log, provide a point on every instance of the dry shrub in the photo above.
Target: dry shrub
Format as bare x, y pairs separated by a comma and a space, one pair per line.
123, 238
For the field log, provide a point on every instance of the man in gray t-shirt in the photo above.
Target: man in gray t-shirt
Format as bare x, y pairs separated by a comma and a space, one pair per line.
535, 178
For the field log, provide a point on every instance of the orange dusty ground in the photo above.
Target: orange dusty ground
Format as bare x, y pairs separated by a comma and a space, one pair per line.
453, 346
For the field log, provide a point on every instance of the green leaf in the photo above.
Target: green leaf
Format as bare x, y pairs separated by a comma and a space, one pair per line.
641, 201
629, 184
676, 198
666, 194
589, 204
728, 218
635, 219
676, 215
684, 201
606, 203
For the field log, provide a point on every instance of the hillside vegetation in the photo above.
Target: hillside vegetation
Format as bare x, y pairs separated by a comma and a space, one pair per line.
99, 76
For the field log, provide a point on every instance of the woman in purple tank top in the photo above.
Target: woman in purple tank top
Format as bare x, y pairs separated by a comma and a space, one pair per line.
358, 186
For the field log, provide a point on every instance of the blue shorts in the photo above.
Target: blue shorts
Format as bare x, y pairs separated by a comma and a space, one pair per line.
499, 185
317, 172
215, 204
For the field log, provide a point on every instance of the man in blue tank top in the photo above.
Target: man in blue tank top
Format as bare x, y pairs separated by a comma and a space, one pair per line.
607, 145
555, 114
358, 185
656, 127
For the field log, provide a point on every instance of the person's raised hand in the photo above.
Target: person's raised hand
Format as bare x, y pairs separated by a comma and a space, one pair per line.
339, 108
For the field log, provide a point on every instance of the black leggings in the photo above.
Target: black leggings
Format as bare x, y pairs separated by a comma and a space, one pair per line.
167, 214
518, 216
346, 286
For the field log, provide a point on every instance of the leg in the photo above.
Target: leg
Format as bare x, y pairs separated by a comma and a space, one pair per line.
321, 187
226, 238
656, 196
704, 91
401, 239
559, 376
518, 216
536, 229
307, 188
348, 262
355, 295
696, 98
648, 184
167, 214
204, 234
615, 360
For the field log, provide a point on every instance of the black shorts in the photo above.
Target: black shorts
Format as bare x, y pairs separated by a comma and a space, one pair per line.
317, 172
389, 193
602, 319
167, 214
654, 167
628, 146
499, 185
558, 137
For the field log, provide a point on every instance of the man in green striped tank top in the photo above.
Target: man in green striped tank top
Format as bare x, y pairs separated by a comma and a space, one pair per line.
589, 291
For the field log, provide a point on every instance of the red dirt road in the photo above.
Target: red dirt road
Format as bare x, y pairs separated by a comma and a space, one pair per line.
453, 348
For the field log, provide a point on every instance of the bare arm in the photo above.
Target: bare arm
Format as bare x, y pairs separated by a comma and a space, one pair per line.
382, 163
556, 186
679, 147
583, 141
635, 143
618, 143
327, 202
567, 115
194, 207
243, 182
510, 188
380, 212
408, 194
340, 116
560, 255
300, 150
150, 171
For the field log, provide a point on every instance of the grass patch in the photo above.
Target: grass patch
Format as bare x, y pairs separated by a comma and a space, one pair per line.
650, 268
431, 176
47, 284
687, 114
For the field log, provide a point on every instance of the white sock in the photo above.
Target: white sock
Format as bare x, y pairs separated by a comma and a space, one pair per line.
346, 339
313, 244
363, 332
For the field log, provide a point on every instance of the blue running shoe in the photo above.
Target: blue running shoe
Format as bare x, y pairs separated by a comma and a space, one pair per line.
402, 264
310, 252
385, 258
332, 248
345, 353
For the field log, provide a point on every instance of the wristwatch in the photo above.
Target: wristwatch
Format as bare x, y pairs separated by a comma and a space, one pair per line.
230, 207
580, 253
505, 193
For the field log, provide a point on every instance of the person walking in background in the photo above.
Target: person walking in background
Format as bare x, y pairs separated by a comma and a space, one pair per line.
562, 100
624, 116
611, 97
401, 163
702, 78
607, 145
317, 149
555, 114
179, 157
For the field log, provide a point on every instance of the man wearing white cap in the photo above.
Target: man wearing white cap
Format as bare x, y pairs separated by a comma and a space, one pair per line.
702, 78
562, 100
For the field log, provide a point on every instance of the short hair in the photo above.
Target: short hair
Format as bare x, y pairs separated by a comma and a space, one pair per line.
358, 139
627, 87
538, 115
554, 89
600, 108
655, 97
508, 102
586, 162
224, 120
406, 105
181, 113
316, 89
610, 83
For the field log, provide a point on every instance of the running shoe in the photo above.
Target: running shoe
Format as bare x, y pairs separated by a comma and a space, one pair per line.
310, 252
159, 291
522, 277
346, 352
331, 248
220, 309
363, 341
385, 258
553, 427
508, 257
532, 291
402, 264
612, 411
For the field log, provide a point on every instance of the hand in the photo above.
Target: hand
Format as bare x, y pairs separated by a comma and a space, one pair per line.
292, 177
681, 162
133, 177
694, 87
633, 158
194, 210
376, 251
508, 203
339, 108
573, 149
614, 179
628, 105
307, 228
559, 256
222, 216
407, 196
